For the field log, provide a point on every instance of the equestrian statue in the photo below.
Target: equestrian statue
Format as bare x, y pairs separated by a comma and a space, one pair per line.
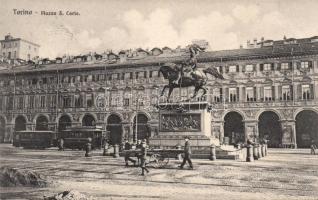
187, 74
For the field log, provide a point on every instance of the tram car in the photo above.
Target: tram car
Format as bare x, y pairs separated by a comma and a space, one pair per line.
34, 139
77, 137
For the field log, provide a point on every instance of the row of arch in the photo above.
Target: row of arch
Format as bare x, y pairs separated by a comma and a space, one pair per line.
269, 126
114, 125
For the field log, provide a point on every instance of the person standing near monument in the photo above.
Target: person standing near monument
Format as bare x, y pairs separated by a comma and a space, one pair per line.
143, 158
187, 153
313, 147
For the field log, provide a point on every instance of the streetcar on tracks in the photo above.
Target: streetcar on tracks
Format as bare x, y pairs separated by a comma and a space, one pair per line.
34, 139
77, 137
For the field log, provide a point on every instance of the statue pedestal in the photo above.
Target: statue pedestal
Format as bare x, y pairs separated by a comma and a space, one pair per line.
179, 120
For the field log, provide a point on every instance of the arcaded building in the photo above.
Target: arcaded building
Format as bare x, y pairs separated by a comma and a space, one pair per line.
270, 90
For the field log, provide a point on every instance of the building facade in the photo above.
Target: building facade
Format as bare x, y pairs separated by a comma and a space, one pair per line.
270, 90
17, 48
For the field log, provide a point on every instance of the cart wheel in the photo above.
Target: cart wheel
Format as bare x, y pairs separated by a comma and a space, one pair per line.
158, 160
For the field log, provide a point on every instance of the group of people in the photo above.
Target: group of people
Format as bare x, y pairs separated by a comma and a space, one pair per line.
142, 145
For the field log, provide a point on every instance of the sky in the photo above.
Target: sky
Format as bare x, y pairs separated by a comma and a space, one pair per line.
122, 24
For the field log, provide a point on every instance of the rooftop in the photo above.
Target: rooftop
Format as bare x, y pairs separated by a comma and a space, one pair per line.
279, 48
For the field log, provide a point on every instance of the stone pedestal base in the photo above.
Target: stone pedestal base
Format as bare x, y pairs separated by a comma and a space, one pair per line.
198, 142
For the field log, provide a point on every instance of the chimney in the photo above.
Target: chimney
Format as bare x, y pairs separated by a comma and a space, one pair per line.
262, 39
241, 46
285, 37
255, 41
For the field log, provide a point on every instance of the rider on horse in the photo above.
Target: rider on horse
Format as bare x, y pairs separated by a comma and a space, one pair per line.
188, 68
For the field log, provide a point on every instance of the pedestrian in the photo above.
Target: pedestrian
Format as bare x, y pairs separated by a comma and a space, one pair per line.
138, 147
187, 153
313, 147
61, 144
143, 158
127, 146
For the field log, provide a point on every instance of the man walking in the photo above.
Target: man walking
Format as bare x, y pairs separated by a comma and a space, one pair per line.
143, 158
187, 153
313, 147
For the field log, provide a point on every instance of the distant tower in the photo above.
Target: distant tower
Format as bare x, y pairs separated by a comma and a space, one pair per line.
17, 48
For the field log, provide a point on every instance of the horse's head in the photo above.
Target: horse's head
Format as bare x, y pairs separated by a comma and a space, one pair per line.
169, 70
214, 72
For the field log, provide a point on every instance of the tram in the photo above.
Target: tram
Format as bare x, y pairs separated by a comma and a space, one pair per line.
77, 137
34, 139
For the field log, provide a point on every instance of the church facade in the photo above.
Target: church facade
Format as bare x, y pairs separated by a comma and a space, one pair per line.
270, 90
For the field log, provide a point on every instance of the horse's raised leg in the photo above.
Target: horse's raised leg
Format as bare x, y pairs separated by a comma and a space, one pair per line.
196, 89
163, 90
169, 94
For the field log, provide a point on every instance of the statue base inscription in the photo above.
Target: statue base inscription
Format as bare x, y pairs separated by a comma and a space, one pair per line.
177, 121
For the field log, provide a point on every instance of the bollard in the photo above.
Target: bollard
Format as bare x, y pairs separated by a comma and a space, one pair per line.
263, 150
105, 150
255, 151
116, 151
88, 148
179, 156
249, 154
259, 153
212, 152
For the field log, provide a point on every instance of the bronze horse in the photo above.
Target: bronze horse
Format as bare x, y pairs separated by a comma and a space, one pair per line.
198, 78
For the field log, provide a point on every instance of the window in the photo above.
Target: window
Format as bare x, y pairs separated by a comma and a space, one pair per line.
267, 67
268, 93
130, 75
232, 68
286, 95
44, 80
249, 68
53, 101
285, 66
14, 54
137, 75
1, 103
145, 74
42, 102
126, 101
233, 94
304, 65
10, 103
31, 102
250, 94
150, 74
217, 95
78, 101
306, 91
20, 103
89, 100
67, 101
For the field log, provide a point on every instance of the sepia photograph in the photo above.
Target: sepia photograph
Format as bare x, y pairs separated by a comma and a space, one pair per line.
158, 99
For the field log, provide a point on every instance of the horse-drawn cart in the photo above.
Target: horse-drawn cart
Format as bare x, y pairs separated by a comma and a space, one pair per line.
157, 158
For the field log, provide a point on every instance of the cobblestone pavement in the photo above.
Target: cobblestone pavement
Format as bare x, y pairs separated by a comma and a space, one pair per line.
283, 174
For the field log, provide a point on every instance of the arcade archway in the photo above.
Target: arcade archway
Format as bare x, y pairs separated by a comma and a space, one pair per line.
270, 127
42, 123
20, 124
88, 120
2, 129
233, 128
143, 130
64, 122
306, 128
114, 127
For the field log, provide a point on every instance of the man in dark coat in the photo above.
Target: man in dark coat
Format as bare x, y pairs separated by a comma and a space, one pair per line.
143, 158
127, 146
187, 153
